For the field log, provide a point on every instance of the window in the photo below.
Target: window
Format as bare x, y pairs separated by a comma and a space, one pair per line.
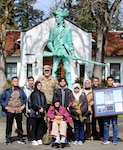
11, 70
29, 70
82, 71
115, 71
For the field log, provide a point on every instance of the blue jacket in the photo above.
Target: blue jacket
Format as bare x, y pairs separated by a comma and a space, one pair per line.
5, 97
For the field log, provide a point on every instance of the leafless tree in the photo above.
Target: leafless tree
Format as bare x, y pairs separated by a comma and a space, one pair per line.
2, 45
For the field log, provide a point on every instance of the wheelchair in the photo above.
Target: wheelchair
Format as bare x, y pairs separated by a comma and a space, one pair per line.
59, 145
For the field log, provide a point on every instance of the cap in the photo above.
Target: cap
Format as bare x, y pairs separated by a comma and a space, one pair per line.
60, 13
47, 67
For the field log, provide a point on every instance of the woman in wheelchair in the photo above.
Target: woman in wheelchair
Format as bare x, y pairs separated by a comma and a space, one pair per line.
59, 117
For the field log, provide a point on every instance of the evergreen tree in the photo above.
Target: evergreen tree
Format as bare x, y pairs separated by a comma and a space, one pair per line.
10, 22
26, 14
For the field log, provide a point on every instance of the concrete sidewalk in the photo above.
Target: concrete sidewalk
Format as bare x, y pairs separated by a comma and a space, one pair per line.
88, 145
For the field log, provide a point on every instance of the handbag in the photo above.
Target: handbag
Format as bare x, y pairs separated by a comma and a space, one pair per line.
35, 114
46, 138
88, 114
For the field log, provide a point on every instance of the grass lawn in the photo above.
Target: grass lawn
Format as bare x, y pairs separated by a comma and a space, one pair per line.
120, 116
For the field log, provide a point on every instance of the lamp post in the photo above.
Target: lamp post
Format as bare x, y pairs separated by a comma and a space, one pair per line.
76, 64
121, 35
35, 62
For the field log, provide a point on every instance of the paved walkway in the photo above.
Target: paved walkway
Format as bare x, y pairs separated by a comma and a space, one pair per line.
88, 145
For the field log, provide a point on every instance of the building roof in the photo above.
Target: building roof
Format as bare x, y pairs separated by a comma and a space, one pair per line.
13, 42
114, 43
25, 30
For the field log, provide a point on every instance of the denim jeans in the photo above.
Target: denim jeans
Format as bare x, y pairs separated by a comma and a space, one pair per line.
114, 126
78, 130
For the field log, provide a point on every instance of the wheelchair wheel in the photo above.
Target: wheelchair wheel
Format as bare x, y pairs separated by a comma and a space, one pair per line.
55, 145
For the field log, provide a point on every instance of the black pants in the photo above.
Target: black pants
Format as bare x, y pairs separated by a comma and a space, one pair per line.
37, 128
29, 128
101, 127
88, 131
9, 122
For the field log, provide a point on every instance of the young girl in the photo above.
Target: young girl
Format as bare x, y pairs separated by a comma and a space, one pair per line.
78, 108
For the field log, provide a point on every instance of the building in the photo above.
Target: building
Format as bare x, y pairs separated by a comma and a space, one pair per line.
34, 43
25, 52
114, 56
13, 53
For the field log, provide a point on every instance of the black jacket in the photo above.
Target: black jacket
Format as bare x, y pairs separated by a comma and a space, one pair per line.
58, 95
38, 101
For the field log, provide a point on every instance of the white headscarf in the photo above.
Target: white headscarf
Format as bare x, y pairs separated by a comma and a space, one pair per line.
86, 91
85, 81
76, 96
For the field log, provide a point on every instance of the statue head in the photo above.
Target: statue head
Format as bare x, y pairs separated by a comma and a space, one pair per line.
59, 15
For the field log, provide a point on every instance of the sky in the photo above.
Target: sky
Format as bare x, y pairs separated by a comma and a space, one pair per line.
45, 5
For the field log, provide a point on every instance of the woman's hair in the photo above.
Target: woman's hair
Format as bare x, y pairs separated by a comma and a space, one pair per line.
36, 83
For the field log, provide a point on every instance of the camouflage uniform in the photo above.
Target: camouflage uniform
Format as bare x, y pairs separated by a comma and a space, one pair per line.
48, 86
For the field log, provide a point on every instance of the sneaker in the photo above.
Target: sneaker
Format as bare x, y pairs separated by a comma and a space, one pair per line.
114, 143
8, 142
21, 142
75, 142
105, 142
80, 143
57, 140
63, 140
35, 143
39, 142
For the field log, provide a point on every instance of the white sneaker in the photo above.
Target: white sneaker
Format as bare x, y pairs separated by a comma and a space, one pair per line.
34, 143
105, 142
39, 142
80, 143
21, 142
63, 139
57, 140
75, 142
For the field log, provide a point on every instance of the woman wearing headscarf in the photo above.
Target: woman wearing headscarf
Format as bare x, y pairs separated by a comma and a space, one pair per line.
88, 91
59, 117
38, 107
78, 108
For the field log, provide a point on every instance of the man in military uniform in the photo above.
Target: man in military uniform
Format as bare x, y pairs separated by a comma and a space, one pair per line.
49, 83
60, 43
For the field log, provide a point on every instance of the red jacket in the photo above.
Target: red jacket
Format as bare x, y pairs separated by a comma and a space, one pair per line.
62, 111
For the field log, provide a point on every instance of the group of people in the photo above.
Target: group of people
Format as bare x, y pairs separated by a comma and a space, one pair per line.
68, 111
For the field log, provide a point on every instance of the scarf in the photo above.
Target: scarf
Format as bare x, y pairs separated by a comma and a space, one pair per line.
77, 96
63, 94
